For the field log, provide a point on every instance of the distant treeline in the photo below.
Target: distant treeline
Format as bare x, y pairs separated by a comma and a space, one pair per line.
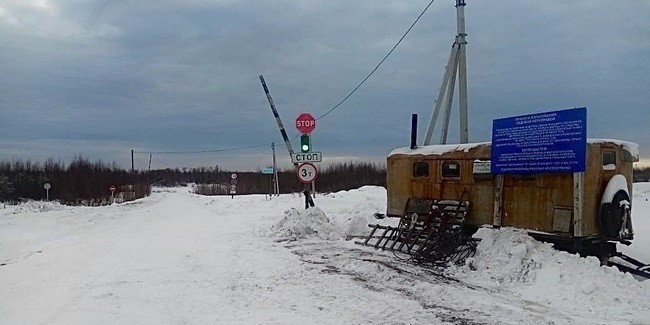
642, 174
79, 183
83, 182
216, 181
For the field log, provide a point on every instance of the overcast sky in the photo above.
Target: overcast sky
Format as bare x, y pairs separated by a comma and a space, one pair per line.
99, 78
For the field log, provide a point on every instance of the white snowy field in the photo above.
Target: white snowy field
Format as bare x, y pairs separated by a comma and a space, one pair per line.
180, 258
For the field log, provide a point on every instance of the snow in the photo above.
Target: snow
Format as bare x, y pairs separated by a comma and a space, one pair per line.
609, 167
615, 184
311, 223
177, 257
568, 284
39, 206
641, 223
437, 149
630, 147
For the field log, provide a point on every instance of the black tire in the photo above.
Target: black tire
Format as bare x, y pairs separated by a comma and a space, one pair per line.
611, 216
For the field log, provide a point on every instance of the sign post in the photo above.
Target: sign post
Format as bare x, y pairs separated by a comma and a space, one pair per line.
269, 171
112, 188
306, 123
47, 188
233, 185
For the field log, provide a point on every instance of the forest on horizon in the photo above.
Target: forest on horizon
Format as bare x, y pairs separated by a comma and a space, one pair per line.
82, 182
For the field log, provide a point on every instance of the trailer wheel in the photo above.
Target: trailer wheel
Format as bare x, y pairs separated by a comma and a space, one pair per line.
615, 216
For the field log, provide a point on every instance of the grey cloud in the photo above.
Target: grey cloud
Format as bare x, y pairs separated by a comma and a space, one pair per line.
173, 75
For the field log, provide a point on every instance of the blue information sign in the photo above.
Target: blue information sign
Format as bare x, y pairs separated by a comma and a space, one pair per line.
550, 142
267, 170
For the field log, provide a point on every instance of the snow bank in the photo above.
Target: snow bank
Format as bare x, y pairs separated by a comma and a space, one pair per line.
38, 206
358, 227
641, 224
354, 209
304, 224
641, 190
510, 258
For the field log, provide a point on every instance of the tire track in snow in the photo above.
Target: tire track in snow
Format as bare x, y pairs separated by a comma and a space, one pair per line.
451, 300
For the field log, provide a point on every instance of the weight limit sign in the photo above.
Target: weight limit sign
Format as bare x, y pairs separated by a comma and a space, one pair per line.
307, 172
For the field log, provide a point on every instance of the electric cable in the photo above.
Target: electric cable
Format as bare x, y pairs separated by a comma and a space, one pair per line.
201, 151
379, 64
321, 116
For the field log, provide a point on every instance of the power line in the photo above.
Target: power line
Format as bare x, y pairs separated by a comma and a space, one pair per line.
380, 62
321, 116
202, 151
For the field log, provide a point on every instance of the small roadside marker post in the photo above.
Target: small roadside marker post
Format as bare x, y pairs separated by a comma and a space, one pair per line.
233, 185
47, 188
112, 188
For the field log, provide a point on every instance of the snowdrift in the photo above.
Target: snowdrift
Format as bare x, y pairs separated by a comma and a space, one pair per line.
508, 258
304, 224
507, 261
38, 206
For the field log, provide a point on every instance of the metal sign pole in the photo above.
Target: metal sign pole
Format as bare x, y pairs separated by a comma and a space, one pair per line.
276, 187
47, 187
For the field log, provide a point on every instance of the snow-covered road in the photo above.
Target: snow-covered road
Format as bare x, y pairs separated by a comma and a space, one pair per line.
179, 258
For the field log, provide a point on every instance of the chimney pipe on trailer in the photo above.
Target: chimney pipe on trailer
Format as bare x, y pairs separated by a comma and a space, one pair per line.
414, 130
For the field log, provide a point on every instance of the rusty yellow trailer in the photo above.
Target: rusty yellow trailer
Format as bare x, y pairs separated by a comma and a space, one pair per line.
592, 205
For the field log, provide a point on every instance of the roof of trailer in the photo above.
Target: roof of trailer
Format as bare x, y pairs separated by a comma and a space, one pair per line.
441, 149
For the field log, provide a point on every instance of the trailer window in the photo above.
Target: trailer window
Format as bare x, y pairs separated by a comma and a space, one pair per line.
609, 158
421, 169
450, 169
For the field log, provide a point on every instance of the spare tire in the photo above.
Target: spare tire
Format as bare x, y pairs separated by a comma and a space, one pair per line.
613, 215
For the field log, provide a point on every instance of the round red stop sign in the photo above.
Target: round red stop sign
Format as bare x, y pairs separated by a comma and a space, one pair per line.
305, 123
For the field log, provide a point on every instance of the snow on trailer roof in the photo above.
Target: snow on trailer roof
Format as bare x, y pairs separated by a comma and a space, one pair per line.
630, 147
440, 149
437, 149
